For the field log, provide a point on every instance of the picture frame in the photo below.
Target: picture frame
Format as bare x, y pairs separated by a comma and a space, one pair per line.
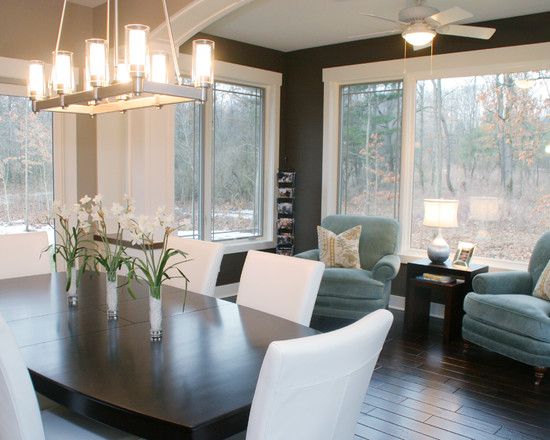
285, 193
285, 239
285, 209
285, 224
286, 177
464, 253
288, 251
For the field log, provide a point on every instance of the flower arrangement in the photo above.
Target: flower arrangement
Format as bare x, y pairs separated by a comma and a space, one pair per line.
73, 241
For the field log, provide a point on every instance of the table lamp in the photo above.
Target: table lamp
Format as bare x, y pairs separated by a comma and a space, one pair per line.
485, 210
440, 213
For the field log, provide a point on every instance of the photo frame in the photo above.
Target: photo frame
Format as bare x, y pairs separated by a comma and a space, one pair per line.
286, 192
286, 177
285, 209
285, 224
464, 253
285, 239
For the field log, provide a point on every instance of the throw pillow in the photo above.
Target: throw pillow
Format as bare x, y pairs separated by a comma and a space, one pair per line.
339, 250
542, 289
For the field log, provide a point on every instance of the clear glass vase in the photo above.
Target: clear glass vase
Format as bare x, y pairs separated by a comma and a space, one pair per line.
72, 296
112, 295
155, 312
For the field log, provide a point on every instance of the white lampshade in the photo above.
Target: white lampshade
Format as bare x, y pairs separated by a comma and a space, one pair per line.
418, 34
159, 67
203, 63
35, 83
97, 66
441, 213
137, 47
485, 209
62, 72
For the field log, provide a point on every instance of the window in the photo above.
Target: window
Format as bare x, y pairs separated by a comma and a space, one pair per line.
475, 127
226, 154
26, 173
237, 161
370, 148
483, 141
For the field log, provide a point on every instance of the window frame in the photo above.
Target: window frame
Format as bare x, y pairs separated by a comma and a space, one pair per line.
410, 71
271, 83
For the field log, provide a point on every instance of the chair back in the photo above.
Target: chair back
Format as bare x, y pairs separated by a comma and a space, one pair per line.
21, 254
19, 413
283, 286
540, 257
312, 388
202, 269
379, 235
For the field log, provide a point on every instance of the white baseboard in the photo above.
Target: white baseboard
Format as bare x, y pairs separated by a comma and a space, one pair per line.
398, 303
226, 290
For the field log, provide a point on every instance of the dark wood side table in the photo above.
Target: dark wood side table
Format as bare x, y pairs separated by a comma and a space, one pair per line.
419, 293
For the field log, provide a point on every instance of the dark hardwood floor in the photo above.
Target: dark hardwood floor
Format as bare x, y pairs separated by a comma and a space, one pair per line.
423, 390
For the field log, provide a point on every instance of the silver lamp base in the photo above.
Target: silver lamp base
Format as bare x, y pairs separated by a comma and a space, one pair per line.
438, 250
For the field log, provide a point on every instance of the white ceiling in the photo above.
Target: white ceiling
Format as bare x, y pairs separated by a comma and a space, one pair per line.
288, 25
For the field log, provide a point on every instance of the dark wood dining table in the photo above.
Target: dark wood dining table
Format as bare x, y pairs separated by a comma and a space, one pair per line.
197, 383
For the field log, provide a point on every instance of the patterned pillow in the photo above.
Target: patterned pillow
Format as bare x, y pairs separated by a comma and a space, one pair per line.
339, 250
542, 289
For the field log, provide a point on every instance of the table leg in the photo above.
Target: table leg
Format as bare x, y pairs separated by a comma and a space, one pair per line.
452, 326
417, 309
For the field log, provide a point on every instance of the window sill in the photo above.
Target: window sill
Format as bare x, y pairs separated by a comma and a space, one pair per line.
494, 264
247, 245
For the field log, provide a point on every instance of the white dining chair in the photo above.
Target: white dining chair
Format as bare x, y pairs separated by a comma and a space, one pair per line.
202, 267
20, 418
312, 388
21, 254
283, 286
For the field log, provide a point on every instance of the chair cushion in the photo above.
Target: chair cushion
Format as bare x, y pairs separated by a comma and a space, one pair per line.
542, 289
350, 284
520, 314
339, 250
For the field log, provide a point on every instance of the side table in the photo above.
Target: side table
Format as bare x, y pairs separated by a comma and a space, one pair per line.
419, 293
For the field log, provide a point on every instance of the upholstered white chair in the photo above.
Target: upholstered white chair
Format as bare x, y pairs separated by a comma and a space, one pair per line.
21, 254
20, 418
283, 286
312, 388
203, 266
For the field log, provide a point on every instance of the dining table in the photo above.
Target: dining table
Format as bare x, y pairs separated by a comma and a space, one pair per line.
197, 383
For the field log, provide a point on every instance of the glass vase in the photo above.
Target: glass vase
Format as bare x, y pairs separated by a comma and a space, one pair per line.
155, 312
112, 296
72, 296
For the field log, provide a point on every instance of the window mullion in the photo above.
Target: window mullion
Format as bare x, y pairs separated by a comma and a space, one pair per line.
208, 165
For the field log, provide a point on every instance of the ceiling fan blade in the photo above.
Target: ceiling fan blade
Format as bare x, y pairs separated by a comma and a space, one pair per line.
449, 16
373, 34
483, 33
384, 18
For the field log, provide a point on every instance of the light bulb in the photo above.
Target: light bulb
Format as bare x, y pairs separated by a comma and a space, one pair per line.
159, 70
122, 73
62, 72
203, 63
418, 34
35, 83
136, 47
96, 62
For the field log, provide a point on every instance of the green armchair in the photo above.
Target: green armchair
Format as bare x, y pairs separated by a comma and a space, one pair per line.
504, 317
354, 293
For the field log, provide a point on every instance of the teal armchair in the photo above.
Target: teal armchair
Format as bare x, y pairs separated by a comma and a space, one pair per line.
504, 317
354, 293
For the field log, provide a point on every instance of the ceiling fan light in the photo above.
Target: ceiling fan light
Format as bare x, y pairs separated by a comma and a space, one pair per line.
418, 35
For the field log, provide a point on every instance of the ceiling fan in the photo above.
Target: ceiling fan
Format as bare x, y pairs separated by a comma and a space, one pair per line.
420, 23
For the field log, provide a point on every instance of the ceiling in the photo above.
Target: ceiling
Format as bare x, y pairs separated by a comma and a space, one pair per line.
288, 25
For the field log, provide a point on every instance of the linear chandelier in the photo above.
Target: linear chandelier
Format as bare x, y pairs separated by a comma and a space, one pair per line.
140, 80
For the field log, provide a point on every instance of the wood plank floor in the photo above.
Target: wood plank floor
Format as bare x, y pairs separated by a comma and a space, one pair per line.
423, 390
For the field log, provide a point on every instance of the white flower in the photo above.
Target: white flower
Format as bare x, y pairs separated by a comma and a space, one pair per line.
57, 207
82, 217
85, 199
98, 198
117, 209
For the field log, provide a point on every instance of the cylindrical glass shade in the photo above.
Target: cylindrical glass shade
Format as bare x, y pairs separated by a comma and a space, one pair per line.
441, 213
35, 84
62, 72
137, 37
122, 74
159, 67
97, 66
485, 209
203, 63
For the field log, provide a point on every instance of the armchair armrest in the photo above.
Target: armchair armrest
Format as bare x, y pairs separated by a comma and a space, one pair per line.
503, 283
387, 267
313, 254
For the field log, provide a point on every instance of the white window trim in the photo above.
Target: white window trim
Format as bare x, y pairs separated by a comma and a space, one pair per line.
271, 83
482, 62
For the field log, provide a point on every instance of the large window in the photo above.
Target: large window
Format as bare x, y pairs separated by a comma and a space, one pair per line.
219, 166
370, 148
26, 176
485, 140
